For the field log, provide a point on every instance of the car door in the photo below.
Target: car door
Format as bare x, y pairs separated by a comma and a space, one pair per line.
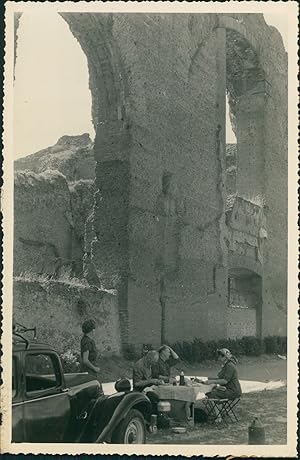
46, 403
17, 402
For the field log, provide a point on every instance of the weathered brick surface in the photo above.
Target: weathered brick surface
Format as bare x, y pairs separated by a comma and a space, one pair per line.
59, 309
158, 84
50, 218
272, 134
241, 322
167, 116
42, 223
72, 156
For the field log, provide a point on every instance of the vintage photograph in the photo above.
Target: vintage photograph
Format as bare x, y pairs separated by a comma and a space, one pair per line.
150, 207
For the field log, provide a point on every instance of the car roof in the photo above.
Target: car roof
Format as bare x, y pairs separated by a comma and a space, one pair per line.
20, 345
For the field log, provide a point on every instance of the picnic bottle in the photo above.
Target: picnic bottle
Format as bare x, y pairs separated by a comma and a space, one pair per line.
181, 378
256, 432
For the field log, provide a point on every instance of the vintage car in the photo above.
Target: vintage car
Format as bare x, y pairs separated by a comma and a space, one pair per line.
50, 406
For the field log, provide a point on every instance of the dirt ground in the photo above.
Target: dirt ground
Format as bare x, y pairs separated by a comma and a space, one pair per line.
269, 406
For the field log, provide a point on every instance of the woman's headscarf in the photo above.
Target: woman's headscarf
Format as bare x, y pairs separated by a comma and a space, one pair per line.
227, 353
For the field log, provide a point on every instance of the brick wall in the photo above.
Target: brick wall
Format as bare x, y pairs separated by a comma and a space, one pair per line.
262, 159
158, 85
49, 223
43, 233
241, 323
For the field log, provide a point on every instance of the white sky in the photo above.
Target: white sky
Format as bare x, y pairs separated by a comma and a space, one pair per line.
51, 93
52, 96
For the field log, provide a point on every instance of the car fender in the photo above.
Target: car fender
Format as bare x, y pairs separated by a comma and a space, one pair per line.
129, 401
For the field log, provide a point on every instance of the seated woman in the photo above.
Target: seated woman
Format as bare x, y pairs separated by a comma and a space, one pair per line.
227, 385
227, 378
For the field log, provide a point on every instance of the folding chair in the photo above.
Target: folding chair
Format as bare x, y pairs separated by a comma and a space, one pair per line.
229, 409
221, 409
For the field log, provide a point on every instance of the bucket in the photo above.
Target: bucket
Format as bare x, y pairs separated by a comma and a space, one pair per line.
256, 433
164, 406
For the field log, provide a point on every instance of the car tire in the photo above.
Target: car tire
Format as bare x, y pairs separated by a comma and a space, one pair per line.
131, 430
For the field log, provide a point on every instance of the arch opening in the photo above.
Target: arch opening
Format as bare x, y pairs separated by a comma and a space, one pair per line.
246, 92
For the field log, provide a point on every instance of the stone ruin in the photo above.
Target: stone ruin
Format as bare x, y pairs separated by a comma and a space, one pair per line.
190, 233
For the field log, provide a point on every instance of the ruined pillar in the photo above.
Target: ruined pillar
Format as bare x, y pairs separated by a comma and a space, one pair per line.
110, 249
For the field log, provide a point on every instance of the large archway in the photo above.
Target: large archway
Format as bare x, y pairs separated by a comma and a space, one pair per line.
159, 108
144, 127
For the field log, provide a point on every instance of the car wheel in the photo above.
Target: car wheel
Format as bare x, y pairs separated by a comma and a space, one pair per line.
131, 430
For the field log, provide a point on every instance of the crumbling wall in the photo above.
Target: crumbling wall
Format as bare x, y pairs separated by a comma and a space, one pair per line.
259, 110
58, 310
276, 187
73, 156
43, 223
158, 230
158, 83
52, 206
50, 222
82, 199
247, 232
157, 106
175, 133
231, 170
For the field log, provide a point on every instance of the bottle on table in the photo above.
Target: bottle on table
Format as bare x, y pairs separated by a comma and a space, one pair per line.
181, 379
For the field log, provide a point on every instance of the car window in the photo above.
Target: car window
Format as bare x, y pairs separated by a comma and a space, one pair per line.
14, 380
41, 372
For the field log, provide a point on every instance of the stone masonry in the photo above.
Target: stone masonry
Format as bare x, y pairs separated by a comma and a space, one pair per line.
162, 235
53, 199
